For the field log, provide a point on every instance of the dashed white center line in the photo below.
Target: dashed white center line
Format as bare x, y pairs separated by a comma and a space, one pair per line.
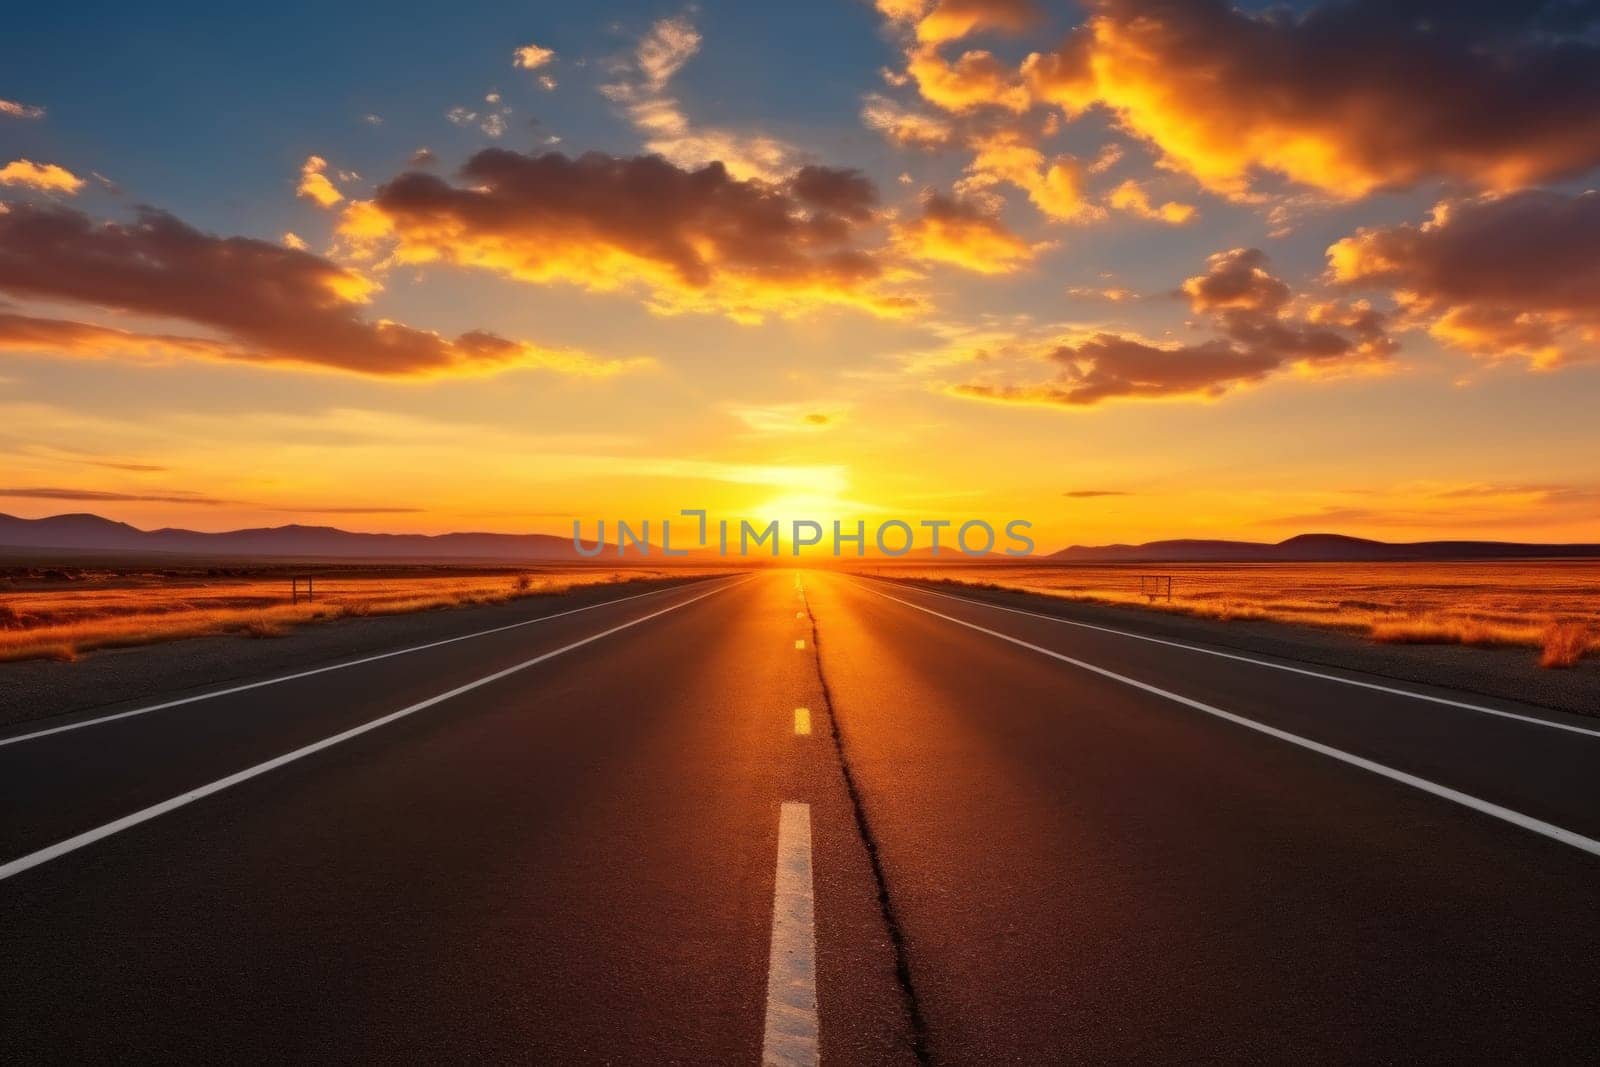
802, 722
791, 1031
799, 642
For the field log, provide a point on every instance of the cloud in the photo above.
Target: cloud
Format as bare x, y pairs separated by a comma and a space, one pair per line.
20, 111
1089, 494
257, 301
1054, 186
531, 57
1347, 96
641, 92
903, 126
961, 234
353, 510
372, 119
694, 240
1108, 156
1261, 330
315, 184
491, 122
787, 418
97, 496
1109, 366
46, 176
423, 157
663, 51
848, 194
951, 20
1236, 280
1114, 294
1499, 277
976, 79
294, 241
1131, 197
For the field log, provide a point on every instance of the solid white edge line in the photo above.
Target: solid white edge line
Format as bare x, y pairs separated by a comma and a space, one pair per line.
89, 837
163, 706
790, 1036
1446, 701
1515, 818
802, 722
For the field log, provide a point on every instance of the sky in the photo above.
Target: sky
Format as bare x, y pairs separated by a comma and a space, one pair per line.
1127, 270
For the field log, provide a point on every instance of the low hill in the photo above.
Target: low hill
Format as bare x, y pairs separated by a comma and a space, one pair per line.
92, 533
1316, 548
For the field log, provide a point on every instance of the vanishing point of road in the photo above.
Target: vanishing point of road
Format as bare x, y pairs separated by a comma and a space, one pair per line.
800, 817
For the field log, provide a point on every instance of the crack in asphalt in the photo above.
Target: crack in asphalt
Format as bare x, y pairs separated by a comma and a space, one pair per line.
891, 920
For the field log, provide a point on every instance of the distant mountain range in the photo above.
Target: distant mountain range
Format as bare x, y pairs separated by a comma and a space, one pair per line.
92, 533
1315, 548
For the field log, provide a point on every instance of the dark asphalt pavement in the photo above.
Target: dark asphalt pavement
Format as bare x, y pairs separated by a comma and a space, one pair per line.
1030, 842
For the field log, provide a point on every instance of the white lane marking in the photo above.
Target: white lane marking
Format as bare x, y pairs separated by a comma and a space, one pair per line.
89, 837
1585, 730
799, 642
802, 722
1516, 818
318, 670
791, 1032
799, 614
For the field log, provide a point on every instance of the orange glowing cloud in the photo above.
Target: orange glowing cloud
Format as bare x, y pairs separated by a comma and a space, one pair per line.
1131, 197
960, 234
1347, 97
1261, 331
46, 176
1513, 276
694, 240
315, 184
949, 20
1054, 186
975, 79
258, 301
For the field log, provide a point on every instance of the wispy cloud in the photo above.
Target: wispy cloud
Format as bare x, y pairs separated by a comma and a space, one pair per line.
19, 110
641, 90
99, 496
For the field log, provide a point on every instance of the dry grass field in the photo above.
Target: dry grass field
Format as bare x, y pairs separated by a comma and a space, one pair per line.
1549, 606
59, 612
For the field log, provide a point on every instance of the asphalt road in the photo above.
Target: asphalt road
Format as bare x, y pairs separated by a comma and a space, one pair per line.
802, 816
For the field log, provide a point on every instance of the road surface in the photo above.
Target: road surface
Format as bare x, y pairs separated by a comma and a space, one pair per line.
802, 816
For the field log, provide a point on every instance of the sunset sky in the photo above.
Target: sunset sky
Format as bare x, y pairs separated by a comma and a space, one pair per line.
1129, 270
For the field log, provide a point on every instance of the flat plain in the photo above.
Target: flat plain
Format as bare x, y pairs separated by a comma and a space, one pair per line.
58, 611
1552, 606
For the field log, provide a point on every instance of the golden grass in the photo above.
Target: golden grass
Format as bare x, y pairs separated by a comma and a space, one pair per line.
61, 623
1551, 606
1564, 644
